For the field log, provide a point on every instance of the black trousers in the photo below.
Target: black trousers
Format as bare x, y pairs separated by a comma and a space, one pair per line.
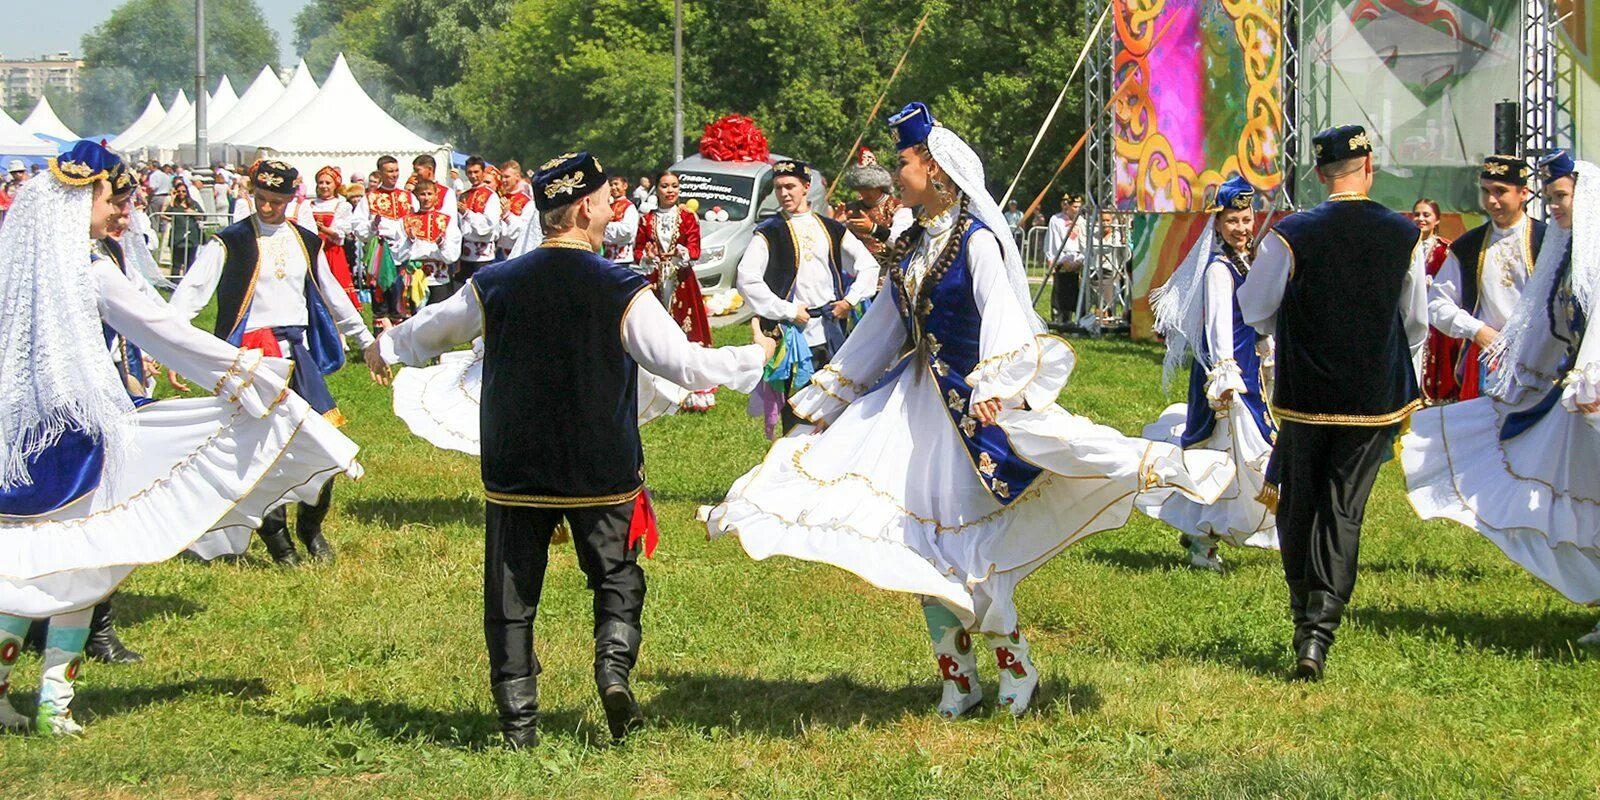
463, 272
1327, 474
820, 356
516, 552
1064, 296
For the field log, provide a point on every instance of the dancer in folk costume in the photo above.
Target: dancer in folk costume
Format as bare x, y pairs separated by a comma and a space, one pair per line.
876, 216
329, 215
430, 247
941, 465
1340, 289
565, 332
1443, 353
667, 246
1474, 293
623, 231
425, 168
1197, 310
1522, 465
479, 223
93, 482
380, 220
519, 220
275, 293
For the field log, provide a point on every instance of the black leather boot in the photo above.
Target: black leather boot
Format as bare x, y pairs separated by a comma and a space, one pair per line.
104, 645
616, 648
274, 532
1324, 611
518, 703
1298, 590
308, 527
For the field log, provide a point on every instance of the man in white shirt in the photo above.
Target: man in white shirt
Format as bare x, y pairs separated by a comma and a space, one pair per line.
804, 269
479, 222
1064, 248
272, 298
624, 226
1481, 280
565, 334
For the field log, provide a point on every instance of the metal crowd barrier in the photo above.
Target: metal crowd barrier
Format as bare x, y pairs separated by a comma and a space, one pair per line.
175, 226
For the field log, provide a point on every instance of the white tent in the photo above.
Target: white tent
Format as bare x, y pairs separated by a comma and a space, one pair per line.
147, 122
300, 90
14, 141
169, 139
262, 94
344, 127
175, 115
44, 120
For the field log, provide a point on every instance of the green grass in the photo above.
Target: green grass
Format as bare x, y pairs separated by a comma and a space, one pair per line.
1454, 676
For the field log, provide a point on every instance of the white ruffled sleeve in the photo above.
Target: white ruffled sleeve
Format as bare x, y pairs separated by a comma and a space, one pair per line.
1015, 365
256, 382
1582, 384
1224, 374
866, 356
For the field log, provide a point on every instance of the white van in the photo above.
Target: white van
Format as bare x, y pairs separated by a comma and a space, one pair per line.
733, 197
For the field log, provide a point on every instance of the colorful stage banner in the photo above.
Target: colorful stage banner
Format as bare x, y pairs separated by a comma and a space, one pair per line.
1197, 99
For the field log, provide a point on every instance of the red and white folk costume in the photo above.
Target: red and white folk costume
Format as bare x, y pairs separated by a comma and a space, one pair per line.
479, 221
334, 220
622, 232
667, 245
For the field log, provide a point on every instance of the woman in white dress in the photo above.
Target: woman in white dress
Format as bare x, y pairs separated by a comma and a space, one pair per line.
939, 464
92, 482
1522, 464
1197, 310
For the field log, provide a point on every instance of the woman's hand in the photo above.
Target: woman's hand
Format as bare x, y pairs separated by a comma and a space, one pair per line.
987, 411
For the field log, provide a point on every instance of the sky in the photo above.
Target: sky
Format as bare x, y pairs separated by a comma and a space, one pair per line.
30, 29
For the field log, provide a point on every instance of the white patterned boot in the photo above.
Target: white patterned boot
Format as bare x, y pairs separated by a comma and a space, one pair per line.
12, 629
63, 660
1018, 677
958, 664
1203, 552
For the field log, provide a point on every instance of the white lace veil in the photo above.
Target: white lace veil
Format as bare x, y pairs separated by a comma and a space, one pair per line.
966, 169
1514, 347
55, 370
1179, 307
135, 249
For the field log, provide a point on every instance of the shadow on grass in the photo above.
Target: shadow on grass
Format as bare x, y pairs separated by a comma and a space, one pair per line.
1269, 661
708, 497
787, 708
405, 723
111, 701
1547, 635
133, 608
394, 512
1135, 560
1428, 569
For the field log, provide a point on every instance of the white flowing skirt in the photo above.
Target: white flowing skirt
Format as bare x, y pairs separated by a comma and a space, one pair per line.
1537, 496
889, 493
1237, 517
441, 403
198, 467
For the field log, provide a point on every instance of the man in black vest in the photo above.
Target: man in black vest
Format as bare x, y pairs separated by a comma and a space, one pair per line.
803, 269
276, 294
1481, 280
1347, 303
565, 332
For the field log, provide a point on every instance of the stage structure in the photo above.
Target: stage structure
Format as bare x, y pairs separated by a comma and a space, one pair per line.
1188, 93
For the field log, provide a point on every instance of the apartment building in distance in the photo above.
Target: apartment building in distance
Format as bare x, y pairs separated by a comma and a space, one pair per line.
23, 79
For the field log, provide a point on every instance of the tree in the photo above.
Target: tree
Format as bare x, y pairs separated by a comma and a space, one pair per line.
149, 46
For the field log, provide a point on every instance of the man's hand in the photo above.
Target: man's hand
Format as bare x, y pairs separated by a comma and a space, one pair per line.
769, 345
1589, 408
176, 382
860, 224
1485, 337
376, 365
801, 316
841, 309
987, 411
1224, 402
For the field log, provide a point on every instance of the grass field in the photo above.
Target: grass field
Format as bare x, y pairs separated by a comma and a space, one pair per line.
1454, 676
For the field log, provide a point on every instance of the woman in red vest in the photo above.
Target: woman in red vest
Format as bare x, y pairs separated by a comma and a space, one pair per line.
1439, 382
668, 244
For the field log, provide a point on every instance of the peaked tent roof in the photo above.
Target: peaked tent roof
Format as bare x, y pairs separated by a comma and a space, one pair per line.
295, 96
174, 115
14, 141
341, 119
171, 136
260, 96
44, 120
147, 122
179, 115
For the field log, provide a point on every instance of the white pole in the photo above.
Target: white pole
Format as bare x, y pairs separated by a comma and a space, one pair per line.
201, 156
677, 81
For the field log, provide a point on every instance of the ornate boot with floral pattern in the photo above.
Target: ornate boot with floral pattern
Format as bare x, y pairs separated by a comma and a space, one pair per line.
958, 664
1018, 677
63, 660
12, 629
